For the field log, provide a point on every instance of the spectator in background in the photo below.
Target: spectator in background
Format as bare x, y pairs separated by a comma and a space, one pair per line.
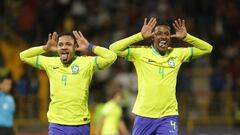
217, 82
22, 90
111, 121
32, 99
7, 106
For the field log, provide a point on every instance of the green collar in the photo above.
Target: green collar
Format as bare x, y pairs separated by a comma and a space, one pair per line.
156, 52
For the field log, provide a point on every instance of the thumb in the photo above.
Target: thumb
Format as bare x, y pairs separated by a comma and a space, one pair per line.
152, 34
173, 36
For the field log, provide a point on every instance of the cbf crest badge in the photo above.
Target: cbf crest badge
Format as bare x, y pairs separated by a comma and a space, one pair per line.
75, 69
171, 62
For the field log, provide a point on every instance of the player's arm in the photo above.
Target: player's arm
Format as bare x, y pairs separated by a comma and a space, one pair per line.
121, 47
200, 47
123, 129
99, 125
104, 57
31, 55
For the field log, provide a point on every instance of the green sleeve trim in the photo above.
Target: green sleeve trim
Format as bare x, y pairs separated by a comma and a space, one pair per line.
191, 53
95, 61
128, 55
37, 61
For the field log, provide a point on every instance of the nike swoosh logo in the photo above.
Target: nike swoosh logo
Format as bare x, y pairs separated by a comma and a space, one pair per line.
55, 67
150, 60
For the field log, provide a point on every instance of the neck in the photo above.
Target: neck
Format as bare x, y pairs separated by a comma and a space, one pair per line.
69, 62
160, 52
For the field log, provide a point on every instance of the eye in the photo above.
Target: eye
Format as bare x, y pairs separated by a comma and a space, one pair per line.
69, 44
60, 44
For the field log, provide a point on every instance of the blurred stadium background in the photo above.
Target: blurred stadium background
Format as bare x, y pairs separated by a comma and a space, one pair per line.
208, 89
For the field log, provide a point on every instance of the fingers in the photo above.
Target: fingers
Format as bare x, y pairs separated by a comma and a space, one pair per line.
178, 24
175, 27
76, 34
49, 36
55, 36
173, 36
81, 34
145, 21
152, 22
183, 23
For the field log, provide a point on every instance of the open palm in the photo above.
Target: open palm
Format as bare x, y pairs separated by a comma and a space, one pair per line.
52, 42
81, 41
181, 31
147, 27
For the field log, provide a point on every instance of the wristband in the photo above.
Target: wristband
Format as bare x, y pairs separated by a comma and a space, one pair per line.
90, 47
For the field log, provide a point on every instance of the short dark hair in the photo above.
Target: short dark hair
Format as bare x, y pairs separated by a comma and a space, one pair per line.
67, 34
5, 76
164, 25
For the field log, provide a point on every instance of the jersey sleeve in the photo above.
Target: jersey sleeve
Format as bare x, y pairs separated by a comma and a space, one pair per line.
185, 54
200, 47
34, 58
134, 53
122, 47
104, 58
106, 109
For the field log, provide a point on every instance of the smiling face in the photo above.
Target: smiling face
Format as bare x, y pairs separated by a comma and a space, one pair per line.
66, 48
162, 37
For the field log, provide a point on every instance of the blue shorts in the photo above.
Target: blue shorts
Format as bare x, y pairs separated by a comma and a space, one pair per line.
57, 129
167, 125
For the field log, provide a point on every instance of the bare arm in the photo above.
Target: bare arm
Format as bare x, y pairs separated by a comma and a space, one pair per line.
99, 126
123, 129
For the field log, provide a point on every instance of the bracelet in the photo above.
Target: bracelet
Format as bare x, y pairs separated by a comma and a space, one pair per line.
90, 47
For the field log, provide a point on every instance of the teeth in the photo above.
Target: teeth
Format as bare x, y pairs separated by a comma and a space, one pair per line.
162, 43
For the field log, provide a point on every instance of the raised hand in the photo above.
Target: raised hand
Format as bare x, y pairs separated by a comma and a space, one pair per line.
81, 41
51, 43
181, 31
147, 28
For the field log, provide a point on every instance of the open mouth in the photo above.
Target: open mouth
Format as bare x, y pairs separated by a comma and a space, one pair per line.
162, 43
64, 56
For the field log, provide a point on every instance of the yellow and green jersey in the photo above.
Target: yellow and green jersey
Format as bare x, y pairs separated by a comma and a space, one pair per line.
157, 75
112, 113
69, 85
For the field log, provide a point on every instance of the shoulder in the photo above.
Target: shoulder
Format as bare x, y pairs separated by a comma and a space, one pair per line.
9, 98
85, 58
53, 58
178, 49
139, 47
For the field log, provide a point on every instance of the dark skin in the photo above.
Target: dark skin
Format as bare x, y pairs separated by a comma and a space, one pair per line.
161, 34
66, 46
